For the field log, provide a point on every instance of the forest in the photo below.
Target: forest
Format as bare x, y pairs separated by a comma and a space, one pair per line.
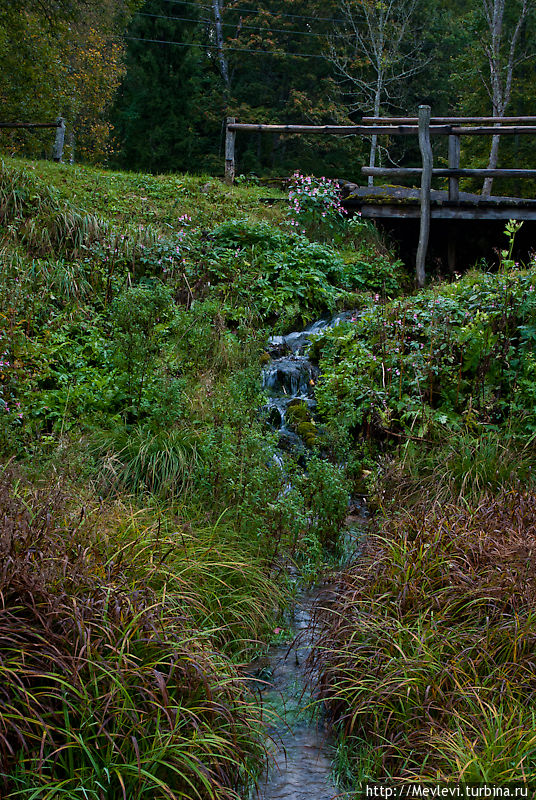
268, 508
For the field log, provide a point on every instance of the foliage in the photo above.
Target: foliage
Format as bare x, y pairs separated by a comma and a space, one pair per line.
284, 277
315, 204
454, 355
62, 59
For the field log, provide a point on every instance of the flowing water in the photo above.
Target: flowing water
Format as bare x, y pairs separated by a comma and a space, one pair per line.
301, 749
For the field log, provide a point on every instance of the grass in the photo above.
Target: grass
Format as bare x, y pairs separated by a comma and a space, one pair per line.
427, 651
114, 628
158, 200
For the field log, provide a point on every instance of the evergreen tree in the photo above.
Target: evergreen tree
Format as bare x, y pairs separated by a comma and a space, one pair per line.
159, 108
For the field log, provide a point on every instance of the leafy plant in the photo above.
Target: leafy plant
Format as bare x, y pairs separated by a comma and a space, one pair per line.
315, 205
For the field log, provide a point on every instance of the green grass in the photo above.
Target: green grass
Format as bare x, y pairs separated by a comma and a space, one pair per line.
158, 200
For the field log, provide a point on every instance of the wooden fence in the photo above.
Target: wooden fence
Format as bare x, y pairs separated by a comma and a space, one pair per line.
425, 127
57, 151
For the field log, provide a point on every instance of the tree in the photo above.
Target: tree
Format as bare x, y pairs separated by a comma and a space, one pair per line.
374, 52
500, 44
61, 57
158, 114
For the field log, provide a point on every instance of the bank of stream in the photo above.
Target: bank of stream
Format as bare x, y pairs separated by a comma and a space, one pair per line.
301, 748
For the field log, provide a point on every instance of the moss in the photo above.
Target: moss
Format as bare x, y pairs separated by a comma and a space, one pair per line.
308, 432
297, 412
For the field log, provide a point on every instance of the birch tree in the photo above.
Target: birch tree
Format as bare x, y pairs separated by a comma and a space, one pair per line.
217, 8
375, 50
501, 46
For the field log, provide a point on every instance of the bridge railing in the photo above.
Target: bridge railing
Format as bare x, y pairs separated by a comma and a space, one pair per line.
424, 126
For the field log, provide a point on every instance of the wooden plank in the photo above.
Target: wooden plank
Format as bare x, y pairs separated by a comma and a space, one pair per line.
388, 130
446, 120
358, 130
29, 124
454, 164
230, 136
488, 130
426, 185
448, 213
410, 172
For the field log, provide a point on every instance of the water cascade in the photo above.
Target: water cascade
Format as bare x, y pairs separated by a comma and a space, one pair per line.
301, 749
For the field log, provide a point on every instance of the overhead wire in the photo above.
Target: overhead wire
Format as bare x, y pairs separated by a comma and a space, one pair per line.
258, 11
231, 25
234, 49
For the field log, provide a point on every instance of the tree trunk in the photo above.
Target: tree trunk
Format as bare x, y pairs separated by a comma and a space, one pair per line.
374, 140
218, 27
501, 77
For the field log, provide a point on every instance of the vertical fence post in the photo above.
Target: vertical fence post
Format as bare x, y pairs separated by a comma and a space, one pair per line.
426, 185
454, 196
57, 153
454, 163
229, 152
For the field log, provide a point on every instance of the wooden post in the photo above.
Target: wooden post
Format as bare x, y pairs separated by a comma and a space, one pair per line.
57, 153
454, 163
426, 185
454, 196
229, 152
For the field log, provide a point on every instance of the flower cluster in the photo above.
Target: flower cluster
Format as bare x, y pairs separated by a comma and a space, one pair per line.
314, 202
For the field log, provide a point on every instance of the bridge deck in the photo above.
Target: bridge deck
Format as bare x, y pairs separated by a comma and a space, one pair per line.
398, 202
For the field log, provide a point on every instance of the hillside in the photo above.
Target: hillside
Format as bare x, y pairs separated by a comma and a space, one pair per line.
150, 514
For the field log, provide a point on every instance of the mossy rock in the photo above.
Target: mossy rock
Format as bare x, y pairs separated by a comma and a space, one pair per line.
298, 412
308, 432
265, 358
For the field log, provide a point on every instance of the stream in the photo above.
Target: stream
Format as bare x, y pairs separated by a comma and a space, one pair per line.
300, 746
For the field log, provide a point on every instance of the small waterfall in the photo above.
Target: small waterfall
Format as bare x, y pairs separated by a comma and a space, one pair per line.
301, 766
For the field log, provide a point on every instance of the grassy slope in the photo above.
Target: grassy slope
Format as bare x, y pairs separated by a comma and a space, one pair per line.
153, 199
210, 370
148, 699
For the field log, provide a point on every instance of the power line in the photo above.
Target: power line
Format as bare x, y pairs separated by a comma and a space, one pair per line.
232, 25
258, 11
234, 49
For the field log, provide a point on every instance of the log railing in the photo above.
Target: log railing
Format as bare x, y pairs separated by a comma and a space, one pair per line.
424, 126
57, 151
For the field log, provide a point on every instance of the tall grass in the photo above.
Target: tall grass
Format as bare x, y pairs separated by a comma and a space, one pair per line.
113, 683
465, 467
141, 460
428, 649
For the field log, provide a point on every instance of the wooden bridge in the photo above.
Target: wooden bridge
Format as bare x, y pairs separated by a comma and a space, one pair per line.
425, 203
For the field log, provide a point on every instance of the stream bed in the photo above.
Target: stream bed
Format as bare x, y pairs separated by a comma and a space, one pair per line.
300, 746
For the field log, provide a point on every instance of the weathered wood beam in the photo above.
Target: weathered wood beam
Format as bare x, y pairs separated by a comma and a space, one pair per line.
448, 212
30, 124
446, 120
230, 136
388, 130
447, 172
488, 130
425, 147
454, 164
342, 130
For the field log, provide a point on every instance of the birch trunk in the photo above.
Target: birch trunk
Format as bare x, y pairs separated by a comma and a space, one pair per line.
218, 28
